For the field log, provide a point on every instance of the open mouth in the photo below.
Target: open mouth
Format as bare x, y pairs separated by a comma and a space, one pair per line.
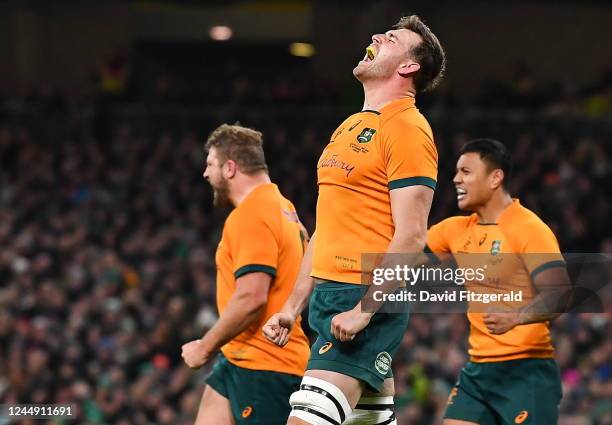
461, 194
370, 54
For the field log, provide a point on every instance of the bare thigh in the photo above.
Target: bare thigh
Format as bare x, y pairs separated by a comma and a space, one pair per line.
214, 409
388, 389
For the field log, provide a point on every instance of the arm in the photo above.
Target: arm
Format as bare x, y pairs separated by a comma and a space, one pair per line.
553, 286
410, 208
243, 309
548, 276
279, 326
304, 285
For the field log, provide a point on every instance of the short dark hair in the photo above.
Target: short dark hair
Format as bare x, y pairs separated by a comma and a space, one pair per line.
240, 144
429, 54
494, 153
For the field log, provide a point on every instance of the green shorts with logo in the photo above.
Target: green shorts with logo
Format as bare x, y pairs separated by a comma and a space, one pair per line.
523, 391
257, 397
367, 357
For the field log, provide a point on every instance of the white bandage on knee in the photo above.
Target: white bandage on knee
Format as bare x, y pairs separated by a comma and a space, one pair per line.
319, 402
373, 411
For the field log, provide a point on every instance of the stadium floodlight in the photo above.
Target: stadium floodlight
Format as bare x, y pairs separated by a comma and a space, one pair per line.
305, 50
220, 33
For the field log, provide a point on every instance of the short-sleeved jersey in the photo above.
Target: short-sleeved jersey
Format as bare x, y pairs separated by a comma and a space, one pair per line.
518, 231
263, 234
369, 154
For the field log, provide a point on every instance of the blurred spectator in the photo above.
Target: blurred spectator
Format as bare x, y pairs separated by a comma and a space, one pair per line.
113, 75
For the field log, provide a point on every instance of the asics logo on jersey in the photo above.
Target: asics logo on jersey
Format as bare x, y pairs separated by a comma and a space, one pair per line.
354, 125
481, 241
247, 412
452, 395
325, 348
338, 133
521, 417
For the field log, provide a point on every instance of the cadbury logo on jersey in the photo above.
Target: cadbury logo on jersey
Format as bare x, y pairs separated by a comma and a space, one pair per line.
366, 135
334, 161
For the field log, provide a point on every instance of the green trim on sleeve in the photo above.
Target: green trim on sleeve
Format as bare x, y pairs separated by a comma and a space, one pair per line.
251, 268
546, 266
413, 181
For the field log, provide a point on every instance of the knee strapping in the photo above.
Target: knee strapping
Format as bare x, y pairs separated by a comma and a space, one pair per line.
319, 402
373, 411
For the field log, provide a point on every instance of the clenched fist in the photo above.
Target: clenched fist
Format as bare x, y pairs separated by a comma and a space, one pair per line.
278, 327
195, 354
345, 326
499, 323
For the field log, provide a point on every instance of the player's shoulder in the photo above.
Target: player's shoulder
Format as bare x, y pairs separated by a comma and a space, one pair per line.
287, 209
259, 205
456, 223
349, 119
524, 222
406, 122
525, 228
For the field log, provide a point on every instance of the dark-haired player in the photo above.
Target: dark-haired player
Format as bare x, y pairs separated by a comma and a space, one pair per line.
511, 377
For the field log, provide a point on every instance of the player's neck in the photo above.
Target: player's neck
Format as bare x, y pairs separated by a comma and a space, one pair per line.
492, 210
377, 94
244, 185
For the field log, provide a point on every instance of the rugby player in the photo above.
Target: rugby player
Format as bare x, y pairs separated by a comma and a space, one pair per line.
376, 181
511, 377
257, 261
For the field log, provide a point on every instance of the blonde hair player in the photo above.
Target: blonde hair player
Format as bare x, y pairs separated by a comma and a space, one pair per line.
257, 261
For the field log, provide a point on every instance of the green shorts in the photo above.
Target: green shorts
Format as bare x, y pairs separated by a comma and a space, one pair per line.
368, 357
523, 391
257, 397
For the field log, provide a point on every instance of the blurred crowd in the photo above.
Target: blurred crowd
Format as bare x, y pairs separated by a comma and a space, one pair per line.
184, 74
107, 237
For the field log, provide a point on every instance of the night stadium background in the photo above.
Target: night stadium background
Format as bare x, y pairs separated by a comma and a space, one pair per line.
107, 231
